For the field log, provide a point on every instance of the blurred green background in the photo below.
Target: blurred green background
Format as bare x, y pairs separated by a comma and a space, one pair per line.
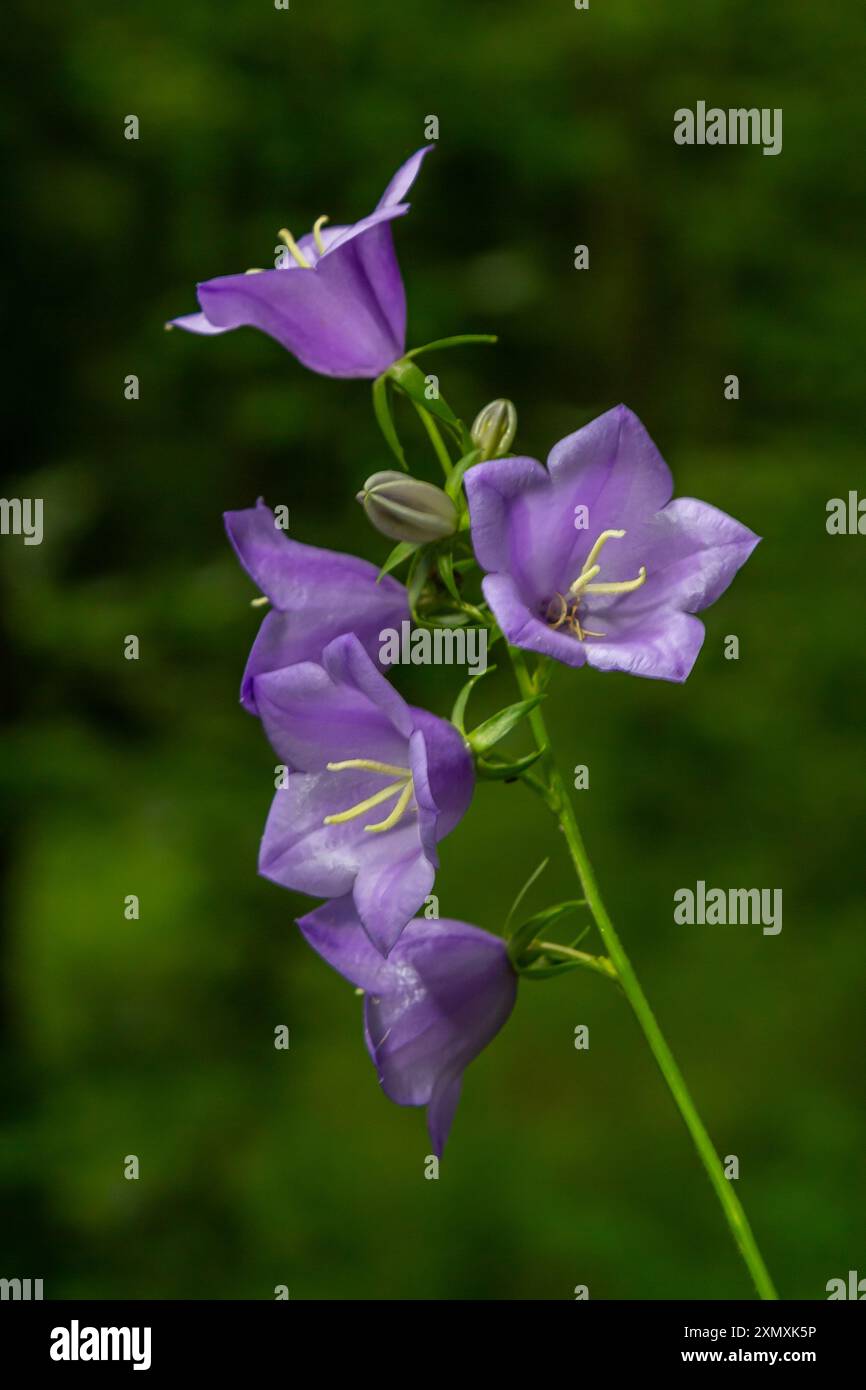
155, 1037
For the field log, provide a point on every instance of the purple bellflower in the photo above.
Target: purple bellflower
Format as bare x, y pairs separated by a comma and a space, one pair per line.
589, 560
337, 302
373, 784
443, 993
316, 595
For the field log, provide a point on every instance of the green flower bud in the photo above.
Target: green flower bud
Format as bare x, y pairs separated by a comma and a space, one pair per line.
407, 509
494, 429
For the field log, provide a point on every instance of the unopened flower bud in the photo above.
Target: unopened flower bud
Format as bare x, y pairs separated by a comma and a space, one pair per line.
494, 429
407, 509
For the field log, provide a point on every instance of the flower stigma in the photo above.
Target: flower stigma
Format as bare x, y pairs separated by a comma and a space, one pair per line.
317, 233
297, 254
565, 611
402, 788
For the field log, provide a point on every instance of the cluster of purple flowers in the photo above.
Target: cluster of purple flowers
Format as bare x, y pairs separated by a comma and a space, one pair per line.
374, 784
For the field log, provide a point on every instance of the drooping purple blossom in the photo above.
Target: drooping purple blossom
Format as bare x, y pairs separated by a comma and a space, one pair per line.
443, 993
337, 303
620, 592
373, 785
316, 595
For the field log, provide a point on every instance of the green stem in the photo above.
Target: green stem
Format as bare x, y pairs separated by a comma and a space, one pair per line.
435, 439
599, 963
558, 801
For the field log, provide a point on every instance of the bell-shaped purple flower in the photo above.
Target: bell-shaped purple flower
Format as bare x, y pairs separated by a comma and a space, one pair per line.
590, 561
373, 786
337, 303
443, 993
316, 595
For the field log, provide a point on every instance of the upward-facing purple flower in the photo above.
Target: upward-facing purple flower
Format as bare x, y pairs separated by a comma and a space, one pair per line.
590, 561
443, 993
374, 784
316, 596
337, 303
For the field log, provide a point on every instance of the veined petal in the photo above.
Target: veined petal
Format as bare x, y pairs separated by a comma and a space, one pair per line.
404, 177
196, 323
320, 594
311, 719
298, 850
343, 313
509, 501
331, 317
443, 993
598, 535
349, 666
692, 552
523, 628
662, 643
612, 467
394, 878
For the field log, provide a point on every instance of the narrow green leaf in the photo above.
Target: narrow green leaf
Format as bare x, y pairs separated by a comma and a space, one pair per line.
457, 341
488, 734
549, 916
445, 566
455, 481
402, 550
382, 409
547, 972
434, 620
496, 771
522, 894
413, 382
459, 710
526, 933
419, 573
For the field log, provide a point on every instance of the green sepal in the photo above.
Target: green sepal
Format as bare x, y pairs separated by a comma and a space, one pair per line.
419, 573
457, 341
493, 730
547, 972
412, 381
445, 566
434, 620
533, 926
382, 410
460, 703
512, 911
402, 550
507, 772
455, 480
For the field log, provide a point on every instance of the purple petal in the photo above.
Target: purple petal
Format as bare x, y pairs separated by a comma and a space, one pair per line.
517, 526
298, 851
341, 318
312, 719
443, 776
344, 314
444, 992
320, 594
334, 932
404, 178
612, 467
346, 662
394, 878
692, 552
196, 323
523, 628
662, 643
441, 1109
344, 711
524, 534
